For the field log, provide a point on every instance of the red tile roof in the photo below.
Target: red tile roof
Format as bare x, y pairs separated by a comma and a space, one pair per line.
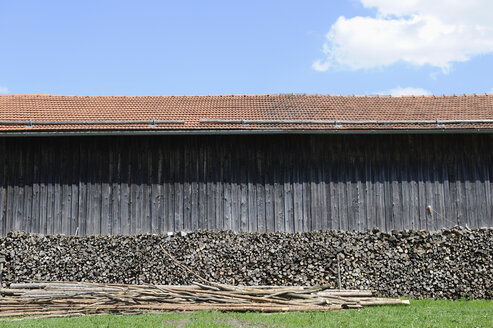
284, 112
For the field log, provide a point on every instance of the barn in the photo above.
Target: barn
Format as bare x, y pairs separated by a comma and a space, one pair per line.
290, 162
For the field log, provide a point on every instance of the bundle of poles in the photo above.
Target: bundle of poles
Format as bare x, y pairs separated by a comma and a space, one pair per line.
65, 299
61, 299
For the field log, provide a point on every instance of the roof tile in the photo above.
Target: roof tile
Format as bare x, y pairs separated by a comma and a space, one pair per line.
285, 107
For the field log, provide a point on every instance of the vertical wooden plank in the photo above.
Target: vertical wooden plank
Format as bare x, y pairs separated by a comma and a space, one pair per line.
352, 195
396, 217
169, 170
50, 207
104, 179
28, 188
193, 186
476, 180
421, 224
324, 183
9, 189
288, 189
269, 190
488, 164
19, 190
162, 188
3, 173
191, 167
93, 189
219, 180
98, 188
461, 198
342, 195
171, 188
243, 191
135, 171
278, 197
370, 221
125, 189
405, 186
487, 215
90, 189
429, 194
439, 212
202, 223
82, 221
134, 182
443, 191
148, 184
178, 181
144, 187
360, 192
252, 178
306, 203
297, 195
211, 190
261, 191
115, 185
74, 185
322, 206
379, 193
350, 201
332, 183
413, 183
156, 194
65, 186
387, 222
57, 183
228, 225
449, 189
235, 188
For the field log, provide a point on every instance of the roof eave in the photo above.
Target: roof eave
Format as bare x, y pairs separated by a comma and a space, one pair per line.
54, 133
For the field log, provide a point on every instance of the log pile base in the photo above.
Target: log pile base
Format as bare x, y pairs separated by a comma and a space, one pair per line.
63, 299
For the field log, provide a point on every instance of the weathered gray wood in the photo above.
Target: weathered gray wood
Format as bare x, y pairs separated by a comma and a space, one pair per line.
190, 189
278, 197
260, 186
210, 220
235, 191
3, 151
18, 201
74, 189
244, 183
82, 220
269, 194
125, 193
155, 171
115, 173
146, 187
252, 176
28, 189
202, 190
107, 166
243, 196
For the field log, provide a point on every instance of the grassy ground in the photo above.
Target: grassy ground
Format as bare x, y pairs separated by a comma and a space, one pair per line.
424, 313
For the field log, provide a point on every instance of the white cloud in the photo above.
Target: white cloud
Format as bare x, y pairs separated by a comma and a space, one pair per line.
420, 32
409, 91
4, 90
491, 91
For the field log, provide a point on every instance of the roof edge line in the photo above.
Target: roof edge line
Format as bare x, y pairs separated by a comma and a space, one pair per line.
240, 132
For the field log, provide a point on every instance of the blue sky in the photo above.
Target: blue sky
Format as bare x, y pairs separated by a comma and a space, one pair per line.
246, 47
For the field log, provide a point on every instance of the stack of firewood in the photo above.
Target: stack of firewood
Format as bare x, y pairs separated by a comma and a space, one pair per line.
451, 263
59, 299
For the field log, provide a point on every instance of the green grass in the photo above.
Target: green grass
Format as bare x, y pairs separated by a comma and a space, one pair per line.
423, 313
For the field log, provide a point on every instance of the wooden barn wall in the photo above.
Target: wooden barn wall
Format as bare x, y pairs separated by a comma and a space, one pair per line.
129, 185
